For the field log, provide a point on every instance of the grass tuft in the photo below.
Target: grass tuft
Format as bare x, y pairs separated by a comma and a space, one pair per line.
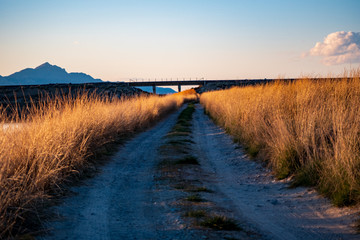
194, 198
220, 223
196, 213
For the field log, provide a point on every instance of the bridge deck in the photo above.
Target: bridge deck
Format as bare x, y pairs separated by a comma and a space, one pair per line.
238, 82
199, 82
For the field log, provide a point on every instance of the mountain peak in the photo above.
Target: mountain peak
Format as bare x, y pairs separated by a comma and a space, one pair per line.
46, 74
44, 65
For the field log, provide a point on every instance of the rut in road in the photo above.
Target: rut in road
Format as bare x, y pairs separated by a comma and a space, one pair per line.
127, 200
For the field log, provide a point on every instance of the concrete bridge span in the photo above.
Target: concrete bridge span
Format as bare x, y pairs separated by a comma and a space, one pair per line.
179, 83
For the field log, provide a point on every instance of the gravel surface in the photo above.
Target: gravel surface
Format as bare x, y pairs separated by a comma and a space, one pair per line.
127, 201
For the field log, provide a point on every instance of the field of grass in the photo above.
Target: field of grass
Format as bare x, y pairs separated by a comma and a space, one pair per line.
308, 129
59, 140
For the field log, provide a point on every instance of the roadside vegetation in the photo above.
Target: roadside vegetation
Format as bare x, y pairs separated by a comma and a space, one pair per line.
307, 129
60, 140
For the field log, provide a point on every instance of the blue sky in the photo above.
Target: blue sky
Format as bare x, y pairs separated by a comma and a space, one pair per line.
116, 40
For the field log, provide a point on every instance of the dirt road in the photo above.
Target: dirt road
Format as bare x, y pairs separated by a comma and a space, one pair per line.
123, 201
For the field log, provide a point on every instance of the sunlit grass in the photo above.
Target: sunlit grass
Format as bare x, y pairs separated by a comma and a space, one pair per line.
190, 92
57, 140
308, 128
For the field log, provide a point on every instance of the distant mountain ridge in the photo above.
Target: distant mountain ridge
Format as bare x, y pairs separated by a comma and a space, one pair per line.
46, 74
52, 74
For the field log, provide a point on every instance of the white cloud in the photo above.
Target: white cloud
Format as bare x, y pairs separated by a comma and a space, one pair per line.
76, 42
337, 48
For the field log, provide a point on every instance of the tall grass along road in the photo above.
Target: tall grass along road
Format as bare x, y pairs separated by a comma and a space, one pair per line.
306, 129
118, 204
61, 139
252, 193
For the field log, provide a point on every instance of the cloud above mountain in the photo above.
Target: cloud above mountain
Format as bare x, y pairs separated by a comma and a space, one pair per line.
337, 48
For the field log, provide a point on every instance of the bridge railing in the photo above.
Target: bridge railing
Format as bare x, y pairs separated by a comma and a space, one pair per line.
164, 79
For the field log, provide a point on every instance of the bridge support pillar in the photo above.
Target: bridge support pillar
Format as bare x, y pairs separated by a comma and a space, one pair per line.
179, 88
154, 89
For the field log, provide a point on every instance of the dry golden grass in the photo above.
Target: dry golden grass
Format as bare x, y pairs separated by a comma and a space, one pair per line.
187, 92
188, 95
56, 140
309, 129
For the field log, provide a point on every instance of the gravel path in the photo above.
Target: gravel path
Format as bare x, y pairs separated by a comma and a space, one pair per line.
126, 201
269, 205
